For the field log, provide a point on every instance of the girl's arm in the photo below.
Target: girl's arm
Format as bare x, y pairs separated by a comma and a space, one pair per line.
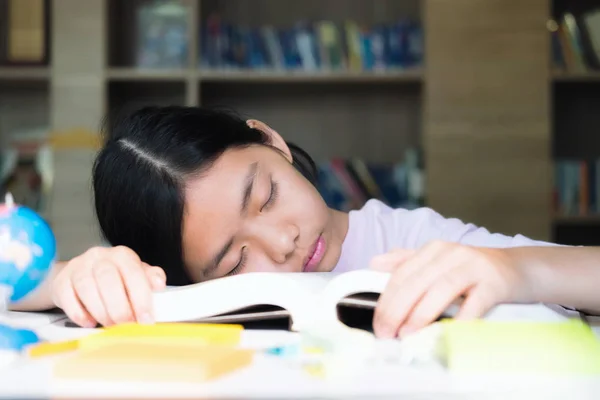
426, 281
41, 298
569, 276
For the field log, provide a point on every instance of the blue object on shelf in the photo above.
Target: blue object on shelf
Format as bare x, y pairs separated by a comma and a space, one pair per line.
16, 339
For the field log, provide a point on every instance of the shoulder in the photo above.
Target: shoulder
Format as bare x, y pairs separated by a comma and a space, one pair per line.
413, 228
392, 227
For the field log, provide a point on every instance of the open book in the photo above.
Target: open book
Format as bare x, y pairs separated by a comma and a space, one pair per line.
304, 298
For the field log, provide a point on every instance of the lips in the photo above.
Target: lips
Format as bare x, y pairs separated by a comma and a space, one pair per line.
315, 255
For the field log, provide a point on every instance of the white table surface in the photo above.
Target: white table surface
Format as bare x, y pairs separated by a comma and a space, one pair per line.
270, 378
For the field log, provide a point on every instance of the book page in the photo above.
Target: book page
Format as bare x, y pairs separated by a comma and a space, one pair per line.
291, 291
341, 286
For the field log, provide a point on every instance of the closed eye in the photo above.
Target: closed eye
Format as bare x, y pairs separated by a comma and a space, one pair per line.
272, 196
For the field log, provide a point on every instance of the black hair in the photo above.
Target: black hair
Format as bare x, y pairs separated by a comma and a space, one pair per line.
140, 173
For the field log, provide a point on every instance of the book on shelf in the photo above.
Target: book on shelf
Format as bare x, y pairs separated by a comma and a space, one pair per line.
575, 40
162, 34
577, 187
24, 32
347, 184
311, 46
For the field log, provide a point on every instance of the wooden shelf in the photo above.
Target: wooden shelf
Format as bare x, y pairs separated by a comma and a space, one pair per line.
138, 74
593, 219
572, 76
24, 73
275, 76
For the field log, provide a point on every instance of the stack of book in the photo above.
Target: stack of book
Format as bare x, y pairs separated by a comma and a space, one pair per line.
576, 41
577, 187
311, 46
348, 184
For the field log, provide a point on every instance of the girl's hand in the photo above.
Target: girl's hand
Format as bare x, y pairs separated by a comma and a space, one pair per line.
425, 282
107, 286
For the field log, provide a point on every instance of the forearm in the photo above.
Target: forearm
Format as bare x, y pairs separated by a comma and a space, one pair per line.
569, 276
41, 298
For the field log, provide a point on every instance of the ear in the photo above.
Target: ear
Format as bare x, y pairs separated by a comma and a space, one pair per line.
275, 138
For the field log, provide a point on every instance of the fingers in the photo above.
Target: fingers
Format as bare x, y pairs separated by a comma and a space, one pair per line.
112, 292
87, 292
479, 301
156, 276
67, 300
444, 291
107, 286
137, 286
406, 286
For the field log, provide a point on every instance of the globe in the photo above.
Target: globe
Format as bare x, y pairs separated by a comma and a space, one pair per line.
27, 250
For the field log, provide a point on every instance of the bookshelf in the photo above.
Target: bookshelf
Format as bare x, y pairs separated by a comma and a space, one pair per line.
447, 106
576, 146
24, 73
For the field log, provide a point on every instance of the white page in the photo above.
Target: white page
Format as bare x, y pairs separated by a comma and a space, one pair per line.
291, 291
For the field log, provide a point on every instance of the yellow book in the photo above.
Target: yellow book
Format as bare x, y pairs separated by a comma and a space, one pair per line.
187, 334
51, 348
165, 333
149, 362
539, 348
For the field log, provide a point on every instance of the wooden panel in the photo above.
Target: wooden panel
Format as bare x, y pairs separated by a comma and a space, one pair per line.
77, 95
487, 134
373, 121
23, 108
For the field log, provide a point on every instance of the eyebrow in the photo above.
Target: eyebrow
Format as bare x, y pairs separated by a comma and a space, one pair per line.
248, 185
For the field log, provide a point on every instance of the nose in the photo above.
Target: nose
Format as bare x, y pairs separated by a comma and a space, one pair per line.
279, 242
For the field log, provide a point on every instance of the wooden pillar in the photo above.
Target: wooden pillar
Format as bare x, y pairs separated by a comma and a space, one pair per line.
487, 113
77, 99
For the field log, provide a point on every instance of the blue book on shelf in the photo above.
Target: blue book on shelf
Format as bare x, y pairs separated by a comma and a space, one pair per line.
415, 44
366, 49
591, 169
291, 56
259, 57
394, 41
380, 47
393, 193
234, 47
307, 44
273, 47
331, 189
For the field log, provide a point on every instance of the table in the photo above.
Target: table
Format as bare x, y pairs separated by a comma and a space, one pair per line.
269, 378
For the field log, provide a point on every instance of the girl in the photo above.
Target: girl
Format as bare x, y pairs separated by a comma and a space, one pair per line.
190, 194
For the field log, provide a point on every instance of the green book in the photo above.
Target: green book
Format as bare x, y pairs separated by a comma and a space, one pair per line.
567, 348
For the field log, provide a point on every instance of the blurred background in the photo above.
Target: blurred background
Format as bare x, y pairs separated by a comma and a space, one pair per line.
488, 111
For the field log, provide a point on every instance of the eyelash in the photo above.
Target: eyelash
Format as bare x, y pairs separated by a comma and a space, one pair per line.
272, 196
240, 265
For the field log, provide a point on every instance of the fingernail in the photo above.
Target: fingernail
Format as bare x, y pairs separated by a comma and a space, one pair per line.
158, 281
89, 324
384, 332
145, 319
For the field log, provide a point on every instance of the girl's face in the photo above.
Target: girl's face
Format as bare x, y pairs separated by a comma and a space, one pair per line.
252, 211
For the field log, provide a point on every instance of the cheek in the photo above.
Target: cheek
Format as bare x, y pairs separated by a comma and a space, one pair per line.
260, 262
